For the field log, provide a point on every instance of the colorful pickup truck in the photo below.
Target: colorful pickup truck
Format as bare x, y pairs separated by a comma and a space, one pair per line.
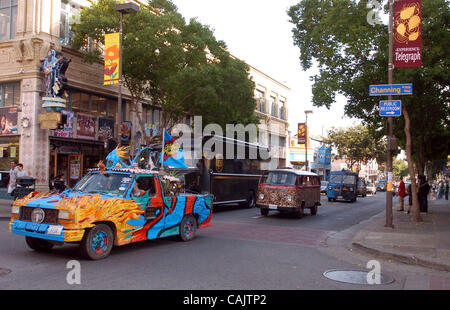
113, 206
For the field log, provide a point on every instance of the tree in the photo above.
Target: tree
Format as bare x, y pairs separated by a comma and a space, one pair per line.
355, 145
351, 55
400, 168
178, 66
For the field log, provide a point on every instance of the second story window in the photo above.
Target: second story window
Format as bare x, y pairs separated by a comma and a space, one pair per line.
273, 104
69, 13
8, 19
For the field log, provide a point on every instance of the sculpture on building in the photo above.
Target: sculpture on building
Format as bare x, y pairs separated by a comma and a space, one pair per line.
55, 81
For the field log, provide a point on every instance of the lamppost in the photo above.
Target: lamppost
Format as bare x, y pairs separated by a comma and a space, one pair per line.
124, 8
306, 140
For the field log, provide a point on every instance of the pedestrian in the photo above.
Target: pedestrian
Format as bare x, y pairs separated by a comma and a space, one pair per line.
21, 172
424, 189
12, 176
59, 183
446, 190
401, 195
441, 190
410, 200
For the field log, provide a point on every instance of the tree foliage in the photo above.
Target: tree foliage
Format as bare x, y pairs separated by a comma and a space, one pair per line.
351, 55
356, 145
178, 66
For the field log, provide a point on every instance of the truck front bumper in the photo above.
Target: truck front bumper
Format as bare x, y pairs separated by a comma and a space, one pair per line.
45, 231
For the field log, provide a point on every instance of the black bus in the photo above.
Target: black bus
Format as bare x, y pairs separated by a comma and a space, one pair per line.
231, 179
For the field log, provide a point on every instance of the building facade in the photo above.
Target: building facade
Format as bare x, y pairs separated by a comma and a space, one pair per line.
272, 107
29, 29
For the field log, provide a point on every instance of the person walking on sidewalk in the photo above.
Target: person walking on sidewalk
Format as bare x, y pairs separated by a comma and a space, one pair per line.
424, 189
12, 176
446, 190
401, 195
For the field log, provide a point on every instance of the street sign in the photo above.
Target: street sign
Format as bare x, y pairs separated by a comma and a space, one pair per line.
390, 108
390, 89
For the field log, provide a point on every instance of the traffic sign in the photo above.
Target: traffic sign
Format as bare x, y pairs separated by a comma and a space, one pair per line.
390, 108
390, 89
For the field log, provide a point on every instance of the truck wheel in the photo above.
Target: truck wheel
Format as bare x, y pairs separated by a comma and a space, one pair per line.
314, 209
329, 199
97, 242
264, 212
188, 228
300, 212
38, 244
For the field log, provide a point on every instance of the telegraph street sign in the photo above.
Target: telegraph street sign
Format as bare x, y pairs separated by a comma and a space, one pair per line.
390, 89
390, 108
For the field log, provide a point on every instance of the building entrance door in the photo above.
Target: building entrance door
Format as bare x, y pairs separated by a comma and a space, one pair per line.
69, 165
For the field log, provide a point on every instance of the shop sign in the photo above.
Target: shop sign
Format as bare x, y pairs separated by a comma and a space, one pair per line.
8, 121
105, 129
85, 126
151, 130
65, 129
49, 120
111, 70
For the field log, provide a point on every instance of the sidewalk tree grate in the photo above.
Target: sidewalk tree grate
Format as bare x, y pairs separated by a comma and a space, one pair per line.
4, 272
355, 277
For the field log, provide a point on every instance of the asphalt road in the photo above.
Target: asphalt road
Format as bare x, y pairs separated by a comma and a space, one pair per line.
241, 250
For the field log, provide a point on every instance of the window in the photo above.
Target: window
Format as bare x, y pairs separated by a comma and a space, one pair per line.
261, 101
279, 178
8, 19
281, 113
84, 106
283, 141
273, 104
10, 94
69, 12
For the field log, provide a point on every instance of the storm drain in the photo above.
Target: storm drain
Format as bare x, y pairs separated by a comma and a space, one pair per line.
4, 272
357, 277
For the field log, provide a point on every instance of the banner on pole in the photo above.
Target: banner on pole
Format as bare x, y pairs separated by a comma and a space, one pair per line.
301, 133
408, 33
111, 71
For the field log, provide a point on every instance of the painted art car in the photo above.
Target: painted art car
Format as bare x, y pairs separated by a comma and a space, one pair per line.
288, 190
107, 208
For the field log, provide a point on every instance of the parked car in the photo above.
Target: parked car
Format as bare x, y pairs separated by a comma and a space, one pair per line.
342, 185
361, 189
323, 187
371, 188
287, 190
110, 207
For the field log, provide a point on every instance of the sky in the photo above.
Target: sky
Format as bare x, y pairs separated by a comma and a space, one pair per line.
259, 33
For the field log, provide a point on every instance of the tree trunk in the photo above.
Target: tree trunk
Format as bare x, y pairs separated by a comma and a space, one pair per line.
416, 208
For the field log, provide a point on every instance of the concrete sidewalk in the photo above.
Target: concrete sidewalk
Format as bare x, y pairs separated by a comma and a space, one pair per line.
425, 244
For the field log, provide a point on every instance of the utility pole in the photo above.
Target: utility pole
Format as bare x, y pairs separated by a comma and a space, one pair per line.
306, 140
389, 190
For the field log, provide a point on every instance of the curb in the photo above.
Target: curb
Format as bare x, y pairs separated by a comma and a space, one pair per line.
406, 259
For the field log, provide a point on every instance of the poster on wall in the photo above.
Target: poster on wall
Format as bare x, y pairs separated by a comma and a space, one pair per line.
75, 171
151, 130
65, 129
8, 121
85, 126
125, 132
105, 129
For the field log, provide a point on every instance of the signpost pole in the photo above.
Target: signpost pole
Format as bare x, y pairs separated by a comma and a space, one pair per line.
389, 191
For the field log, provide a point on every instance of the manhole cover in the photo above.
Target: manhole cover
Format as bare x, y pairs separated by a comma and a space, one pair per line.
4, 271
355, 277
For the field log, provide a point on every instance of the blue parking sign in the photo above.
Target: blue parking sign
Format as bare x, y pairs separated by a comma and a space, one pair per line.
390, 108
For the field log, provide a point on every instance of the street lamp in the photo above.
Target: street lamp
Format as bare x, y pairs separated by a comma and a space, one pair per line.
306, 140
124, 8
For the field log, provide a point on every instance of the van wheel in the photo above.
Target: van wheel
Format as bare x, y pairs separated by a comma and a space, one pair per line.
188, 228
329, 199
300, 212
314, 209
264, 212
38, 244
97, 242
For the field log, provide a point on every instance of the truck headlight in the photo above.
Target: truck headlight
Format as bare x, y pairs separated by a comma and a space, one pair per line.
63, 215
261, 196
289, 198
15, 210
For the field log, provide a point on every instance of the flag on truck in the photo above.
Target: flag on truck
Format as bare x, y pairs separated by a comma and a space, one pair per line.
172, 154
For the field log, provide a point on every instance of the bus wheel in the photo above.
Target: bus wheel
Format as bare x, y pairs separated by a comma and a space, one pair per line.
97, 242
38, 244
188, 228
251, 200
314, 209
264, 212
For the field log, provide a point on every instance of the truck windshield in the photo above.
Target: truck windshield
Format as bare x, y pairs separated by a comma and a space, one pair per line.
115, 184
336, 178
349, 179
279, 178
